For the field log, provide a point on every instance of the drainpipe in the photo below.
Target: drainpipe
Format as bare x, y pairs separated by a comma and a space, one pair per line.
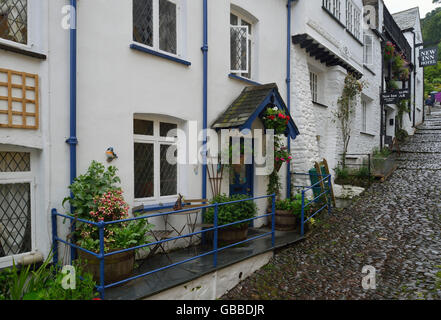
414, 76
288, 92
73, 141
205, 99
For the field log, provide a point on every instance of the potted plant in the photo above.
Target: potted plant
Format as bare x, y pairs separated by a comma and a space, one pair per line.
231, 213
96, 197
288, 213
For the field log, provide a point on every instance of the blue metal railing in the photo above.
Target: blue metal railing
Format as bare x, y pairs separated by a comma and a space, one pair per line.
101, 226
304, 189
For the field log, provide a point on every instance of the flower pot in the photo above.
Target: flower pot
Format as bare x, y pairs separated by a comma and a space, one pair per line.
116, 267
285, 220
229, 235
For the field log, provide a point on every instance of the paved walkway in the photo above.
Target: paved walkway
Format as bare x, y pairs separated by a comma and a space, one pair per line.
394, 226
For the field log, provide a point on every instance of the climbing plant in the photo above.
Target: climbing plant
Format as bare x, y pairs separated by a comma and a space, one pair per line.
351, 91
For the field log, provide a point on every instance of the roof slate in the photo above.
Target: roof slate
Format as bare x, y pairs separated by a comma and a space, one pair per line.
407, 19
244, 106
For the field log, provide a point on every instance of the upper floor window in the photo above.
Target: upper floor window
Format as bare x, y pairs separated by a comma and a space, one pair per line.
313, 82
241, 41
368, 50
353, 19
156, 24
333, 7
14, 21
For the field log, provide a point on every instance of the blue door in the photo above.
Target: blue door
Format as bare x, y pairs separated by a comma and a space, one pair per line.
241, 179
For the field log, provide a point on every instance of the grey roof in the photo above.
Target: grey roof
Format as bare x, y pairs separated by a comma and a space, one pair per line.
244, 106
407, 19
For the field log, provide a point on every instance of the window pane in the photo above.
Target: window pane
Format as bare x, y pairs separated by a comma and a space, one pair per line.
14, 20
15, 219
233, 20
15, 162
143, 127
167, 26
239, 44
143, 21
144, 165
168, 184
164, 129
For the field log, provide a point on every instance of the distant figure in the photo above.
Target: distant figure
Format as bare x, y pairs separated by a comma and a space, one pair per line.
429, 103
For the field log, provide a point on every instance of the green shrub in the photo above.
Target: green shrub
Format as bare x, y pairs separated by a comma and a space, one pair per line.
294, 205
401, 135
232, 212
362, 173
44, 283
342, 173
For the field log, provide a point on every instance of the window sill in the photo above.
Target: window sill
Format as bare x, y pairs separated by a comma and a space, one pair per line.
25, 52
355, 38
320, 104
334, 17
368, 69
159, 54
367, 134
235, 77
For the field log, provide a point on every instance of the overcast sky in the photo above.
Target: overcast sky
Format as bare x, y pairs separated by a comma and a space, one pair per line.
400, 5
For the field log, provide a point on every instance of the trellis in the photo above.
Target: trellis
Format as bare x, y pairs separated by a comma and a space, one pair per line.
19, 106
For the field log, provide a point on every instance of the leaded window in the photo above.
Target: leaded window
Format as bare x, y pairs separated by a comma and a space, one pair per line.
155, 24
15, 203
14, 20
241, 42
155, 159
313, 82
368, 50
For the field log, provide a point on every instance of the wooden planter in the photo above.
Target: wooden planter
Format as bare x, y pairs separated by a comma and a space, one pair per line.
229, 235
285, 220
116, 267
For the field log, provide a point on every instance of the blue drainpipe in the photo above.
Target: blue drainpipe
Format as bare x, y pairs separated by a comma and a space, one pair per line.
73, 141
288, 90
205, 99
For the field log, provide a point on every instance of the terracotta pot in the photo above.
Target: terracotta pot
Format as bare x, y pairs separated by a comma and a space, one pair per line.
116, 267
285, 220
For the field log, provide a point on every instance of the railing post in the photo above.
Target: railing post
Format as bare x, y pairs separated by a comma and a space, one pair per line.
216, 211
302, 218
329, 194
101, 258
54, 236
273, 220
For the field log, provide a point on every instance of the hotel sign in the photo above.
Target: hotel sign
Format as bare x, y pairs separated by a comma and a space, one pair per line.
428, 57
395, 96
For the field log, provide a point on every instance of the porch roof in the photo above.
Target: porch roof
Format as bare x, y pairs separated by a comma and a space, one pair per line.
251, 104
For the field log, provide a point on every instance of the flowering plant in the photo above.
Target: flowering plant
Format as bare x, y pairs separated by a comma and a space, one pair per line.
112, 207
389, 51
276, 119
96, 198
281, 155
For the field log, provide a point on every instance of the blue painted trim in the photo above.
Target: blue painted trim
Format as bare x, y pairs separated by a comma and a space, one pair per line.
278, 101
73, 141
236, 77
288, 94
205, 99
159, 54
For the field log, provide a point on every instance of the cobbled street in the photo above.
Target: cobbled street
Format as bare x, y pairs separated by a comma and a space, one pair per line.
394, 226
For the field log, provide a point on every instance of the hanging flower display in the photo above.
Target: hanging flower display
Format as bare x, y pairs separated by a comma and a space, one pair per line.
389, 51
276, 119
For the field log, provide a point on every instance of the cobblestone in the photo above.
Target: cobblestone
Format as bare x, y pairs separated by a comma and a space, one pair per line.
394, 226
